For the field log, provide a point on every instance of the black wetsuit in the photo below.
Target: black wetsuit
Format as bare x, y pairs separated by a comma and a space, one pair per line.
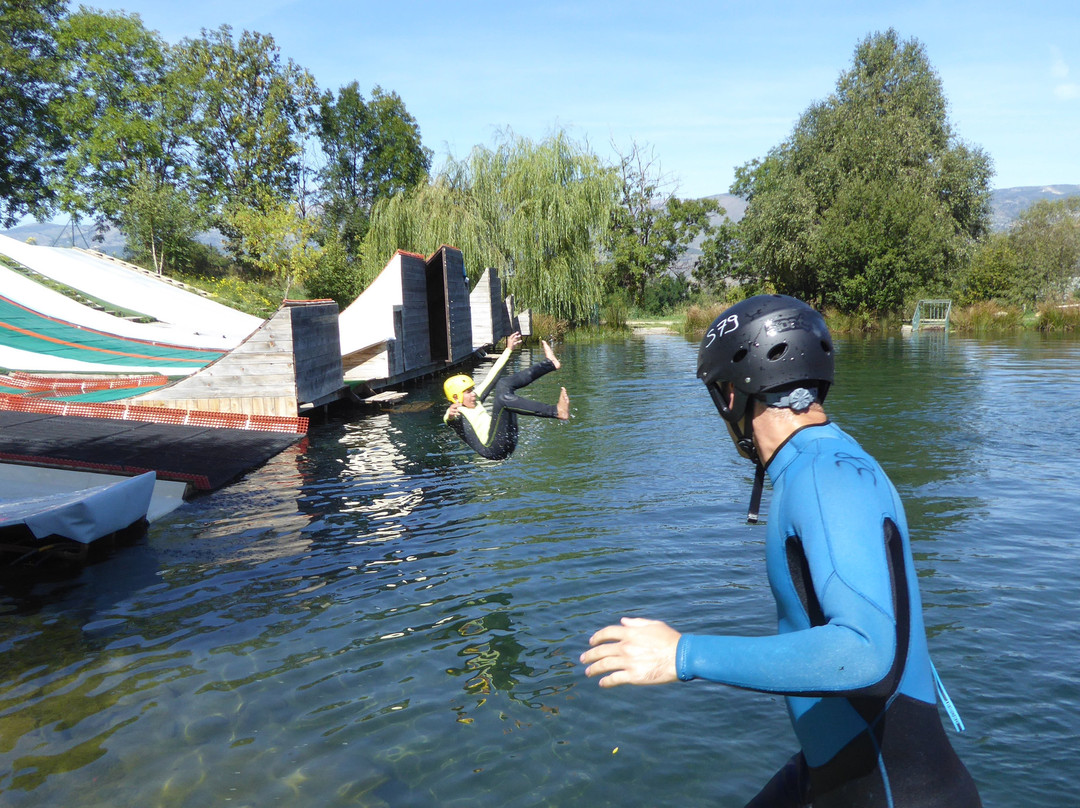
494, 435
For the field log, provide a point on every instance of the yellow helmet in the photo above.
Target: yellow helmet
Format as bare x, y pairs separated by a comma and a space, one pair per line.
456, 385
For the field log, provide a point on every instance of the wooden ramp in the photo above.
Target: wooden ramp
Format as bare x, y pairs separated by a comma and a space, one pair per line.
491, 318
419, 317
293, 361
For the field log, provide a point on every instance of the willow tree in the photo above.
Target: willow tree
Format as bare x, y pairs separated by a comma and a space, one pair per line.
537, 212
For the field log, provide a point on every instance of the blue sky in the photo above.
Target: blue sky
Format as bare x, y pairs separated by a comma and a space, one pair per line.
707, 86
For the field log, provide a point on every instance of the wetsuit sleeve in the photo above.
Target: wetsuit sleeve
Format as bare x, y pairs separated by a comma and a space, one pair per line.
484, 388
845, 640
464, 429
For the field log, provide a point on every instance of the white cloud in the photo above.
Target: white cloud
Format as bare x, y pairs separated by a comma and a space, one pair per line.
1059, 69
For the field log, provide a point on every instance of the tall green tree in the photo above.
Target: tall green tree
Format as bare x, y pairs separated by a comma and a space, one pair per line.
537, 212
159, 221
651, 228
720, 261
1046, 240
29, 91
251, 111
994, 273
373, 151
126, 116
872, 197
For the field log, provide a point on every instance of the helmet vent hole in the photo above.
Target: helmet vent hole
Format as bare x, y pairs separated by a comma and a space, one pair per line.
826, 347
740, 355
777, 351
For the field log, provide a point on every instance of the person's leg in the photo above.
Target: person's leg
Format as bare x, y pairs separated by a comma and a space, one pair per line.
527, 376
530, 374
506, 392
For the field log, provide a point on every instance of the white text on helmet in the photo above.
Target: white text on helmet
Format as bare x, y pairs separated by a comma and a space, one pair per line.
725, 326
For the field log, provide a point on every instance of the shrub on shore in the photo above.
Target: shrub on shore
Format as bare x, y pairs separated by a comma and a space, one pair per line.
860, 322
987, 316
546, 326
699, 317
1058, 317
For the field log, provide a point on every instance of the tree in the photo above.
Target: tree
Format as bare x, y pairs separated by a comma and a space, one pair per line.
1046, 240
373, 151
29, 90
159, 222
537, 212
250, 112
126, 116
274, 238
720, 261
651, 228
872, 196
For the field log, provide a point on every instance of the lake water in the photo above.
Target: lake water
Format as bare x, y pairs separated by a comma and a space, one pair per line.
379, 618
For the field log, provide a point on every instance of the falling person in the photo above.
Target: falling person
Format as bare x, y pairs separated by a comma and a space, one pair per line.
494, 434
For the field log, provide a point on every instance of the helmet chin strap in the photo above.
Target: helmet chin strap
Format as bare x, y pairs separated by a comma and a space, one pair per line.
755, 495
744, 442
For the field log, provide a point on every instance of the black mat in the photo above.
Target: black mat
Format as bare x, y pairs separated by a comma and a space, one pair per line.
217, 456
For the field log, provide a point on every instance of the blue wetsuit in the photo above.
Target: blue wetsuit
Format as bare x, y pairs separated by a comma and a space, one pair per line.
850, 654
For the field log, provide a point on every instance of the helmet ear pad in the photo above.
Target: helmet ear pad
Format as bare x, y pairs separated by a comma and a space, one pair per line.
731, 408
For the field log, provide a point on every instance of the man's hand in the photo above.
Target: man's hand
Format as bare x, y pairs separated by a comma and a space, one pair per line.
452, 411
514, 340
635, 652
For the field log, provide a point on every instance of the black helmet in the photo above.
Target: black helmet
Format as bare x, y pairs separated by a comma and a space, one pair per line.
763, 347
761, 344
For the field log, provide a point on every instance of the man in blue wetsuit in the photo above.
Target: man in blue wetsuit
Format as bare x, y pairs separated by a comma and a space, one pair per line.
494, 434
850, 654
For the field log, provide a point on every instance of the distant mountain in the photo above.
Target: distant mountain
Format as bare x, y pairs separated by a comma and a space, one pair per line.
733, 206
1008, 203
110, 241
50, 234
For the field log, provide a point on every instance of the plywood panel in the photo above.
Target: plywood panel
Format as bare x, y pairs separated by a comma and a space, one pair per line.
316, 351
490, 322
414, 336
459, 312
280, 406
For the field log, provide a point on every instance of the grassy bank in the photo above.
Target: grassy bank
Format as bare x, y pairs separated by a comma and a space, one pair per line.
262, 298
979, 318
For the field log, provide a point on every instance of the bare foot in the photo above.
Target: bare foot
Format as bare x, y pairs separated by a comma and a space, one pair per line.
550, 354
563, 407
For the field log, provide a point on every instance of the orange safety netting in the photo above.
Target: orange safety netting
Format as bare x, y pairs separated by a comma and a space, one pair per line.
157, 415
30, 381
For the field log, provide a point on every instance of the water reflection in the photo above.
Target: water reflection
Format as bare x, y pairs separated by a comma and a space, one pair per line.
381, 618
